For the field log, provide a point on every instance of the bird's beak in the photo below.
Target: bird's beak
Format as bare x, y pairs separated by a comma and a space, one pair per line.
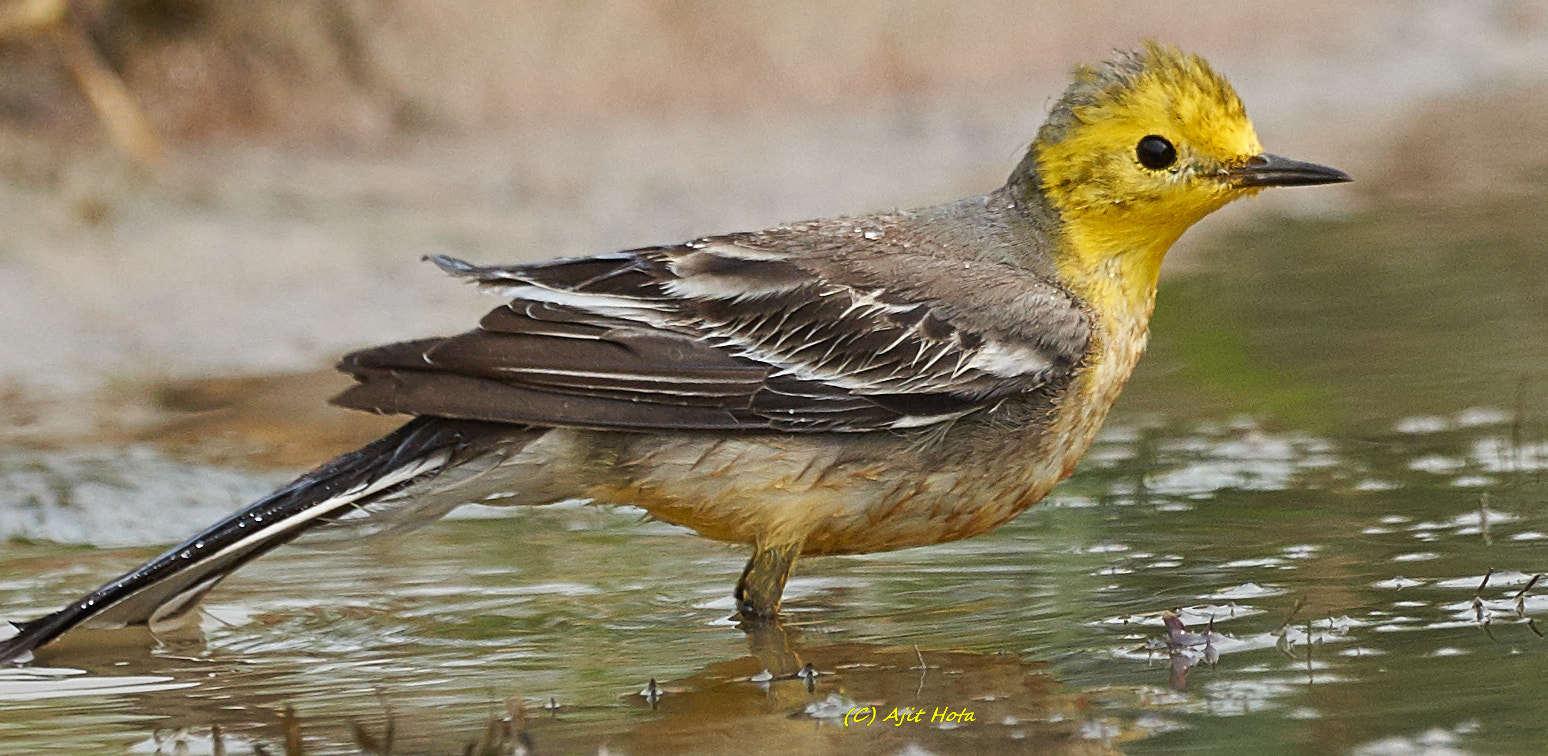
1273, 170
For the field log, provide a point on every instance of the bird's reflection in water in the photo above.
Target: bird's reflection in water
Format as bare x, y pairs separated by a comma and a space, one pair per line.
864, 698
788, 694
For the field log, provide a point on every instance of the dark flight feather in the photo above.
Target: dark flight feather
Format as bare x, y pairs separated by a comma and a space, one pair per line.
716, 334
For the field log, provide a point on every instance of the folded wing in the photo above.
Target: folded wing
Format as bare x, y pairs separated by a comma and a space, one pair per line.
716, 334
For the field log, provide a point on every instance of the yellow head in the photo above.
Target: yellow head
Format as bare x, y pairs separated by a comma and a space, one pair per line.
1139, 149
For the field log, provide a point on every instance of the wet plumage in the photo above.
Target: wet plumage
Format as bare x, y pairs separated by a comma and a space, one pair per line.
765, 331
834, 386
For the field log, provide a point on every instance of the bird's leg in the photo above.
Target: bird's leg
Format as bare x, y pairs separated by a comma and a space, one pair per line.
762, 583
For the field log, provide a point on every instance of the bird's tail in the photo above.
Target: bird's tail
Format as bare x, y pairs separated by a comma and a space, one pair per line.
173, 583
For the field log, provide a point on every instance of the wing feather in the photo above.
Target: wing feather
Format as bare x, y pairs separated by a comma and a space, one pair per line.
721, 333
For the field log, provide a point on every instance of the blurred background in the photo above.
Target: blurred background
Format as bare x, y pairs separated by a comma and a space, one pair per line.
1333, 454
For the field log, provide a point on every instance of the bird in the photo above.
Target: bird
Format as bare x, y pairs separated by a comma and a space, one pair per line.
836, 386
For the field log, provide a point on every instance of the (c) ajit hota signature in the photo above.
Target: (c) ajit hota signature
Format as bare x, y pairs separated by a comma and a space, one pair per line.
867, 715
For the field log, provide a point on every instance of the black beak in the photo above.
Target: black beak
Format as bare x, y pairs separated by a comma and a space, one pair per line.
1273, 170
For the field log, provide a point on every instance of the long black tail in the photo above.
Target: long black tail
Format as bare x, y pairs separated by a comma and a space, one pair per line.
173, 583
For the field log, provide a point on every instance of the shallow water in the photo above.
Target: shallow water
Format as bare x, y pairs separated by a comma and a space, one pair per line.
1331, 467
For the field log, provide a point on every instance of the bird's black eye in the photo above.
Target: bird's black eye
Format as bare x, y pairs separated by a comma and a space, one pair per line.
1155, 152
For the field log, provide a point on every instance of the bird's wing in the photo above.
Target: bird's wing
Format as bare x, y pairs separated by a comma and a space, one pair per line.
722, 334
